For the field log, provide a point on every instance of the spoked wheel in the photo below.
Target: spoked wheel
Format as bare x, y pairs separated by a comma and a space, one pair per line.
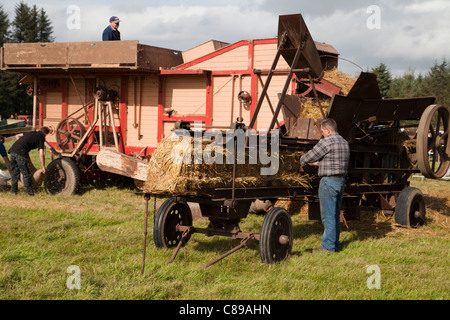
68, 133
410, 208
276, 238
433, 149
169, 215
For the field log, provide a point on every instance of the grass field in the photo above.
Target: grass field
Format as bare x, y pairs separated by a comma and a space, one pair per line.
101, 233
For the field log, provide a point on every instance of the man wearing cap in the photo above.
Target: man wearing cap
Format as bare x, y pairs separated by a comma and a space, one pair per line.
111, 32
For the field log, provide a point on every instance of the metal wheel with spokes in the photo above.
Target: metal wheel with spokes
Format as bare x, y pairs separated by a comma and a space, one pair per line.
68, 133
276, 238
433, 148
169, 215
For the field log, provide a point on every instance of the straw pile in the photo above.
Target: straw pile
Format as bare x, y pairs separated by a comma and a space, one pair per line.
310, 107
168, 175
343, 80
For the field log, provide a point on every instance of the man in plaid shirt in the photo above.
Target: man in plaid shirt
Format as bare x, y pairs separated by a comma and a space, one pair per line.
331, 154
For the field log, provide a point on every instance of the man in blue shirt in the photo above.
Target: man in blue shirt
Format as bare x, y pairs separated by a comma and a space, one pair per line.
111, 32
4, 154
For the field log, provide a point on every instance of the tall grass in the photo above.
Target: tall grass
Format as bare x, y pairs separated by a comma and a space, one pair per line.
101, 232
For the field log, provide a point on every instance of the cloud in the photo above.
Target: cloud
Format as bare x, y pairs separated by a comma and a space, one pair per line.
433, 6
413, 33
406, 38
188, 26
172, 24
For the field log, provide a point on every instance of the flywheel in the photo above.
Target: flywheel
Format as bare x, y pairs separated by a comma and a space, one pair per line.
68, 133
433, 149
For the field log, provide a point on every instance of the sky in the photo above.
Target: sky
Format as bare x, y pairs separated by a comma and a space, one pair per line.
402, 34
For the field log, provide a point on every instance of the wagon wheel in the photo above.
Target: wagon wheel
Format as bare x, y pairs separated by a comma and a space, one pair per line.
62, 177
276, 236
433, 136
169, 215
410, 208
68, 133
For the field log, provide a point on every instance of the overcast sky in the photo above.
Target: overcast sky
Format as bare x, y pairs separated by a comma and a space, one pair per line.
402, 34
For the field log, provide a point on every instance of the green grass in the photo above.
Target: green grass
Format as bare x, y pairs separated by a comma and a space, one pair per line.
101, 232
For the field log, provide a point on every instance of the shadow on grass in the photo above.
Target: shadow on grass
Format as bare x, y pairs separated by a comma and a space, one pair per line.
368, 226
437, 204
373, 224
121, 183
358, 230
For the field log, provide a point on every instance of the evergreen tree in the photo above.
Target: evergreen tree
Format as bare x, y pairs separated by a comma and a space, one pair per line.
4, 27
31, 25
384, 78
22, 24
437, 82
45, 28
407, 86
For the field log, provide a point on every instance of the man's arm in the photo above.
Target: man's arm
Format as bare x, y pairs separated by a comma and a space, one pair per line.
315, 154
4, 154
8, 165
42, 158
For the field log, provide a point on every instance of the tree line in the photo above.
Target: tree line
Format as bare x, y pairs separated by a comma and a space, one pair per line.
30, 24
436, 82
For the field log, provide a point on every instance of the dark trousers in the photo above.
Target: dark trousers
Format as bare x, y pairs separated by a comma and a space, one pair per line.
19, 165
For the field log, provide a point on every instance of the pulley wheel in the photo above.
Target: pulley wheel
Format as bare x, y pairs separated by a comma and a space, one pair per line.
433, 149
169, 215
68, 133
276, 238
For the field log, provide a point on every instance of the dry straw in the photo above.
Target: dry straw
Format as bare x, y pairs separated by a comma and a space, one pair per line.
166, 176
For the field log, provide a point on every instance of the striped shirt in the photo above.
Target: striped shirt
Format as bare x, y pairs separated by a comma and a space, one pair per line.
332, 153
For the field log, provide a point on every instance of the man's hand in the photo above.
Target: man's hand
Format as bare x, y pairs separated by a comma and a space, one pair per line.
42, 158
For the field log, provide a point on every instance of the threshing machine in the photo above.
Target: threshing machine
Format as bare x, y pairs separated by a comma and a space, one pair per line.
390, 140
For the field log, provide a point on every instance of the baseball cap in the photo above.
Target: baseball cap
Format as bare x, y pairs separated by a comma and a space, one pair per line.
114, 19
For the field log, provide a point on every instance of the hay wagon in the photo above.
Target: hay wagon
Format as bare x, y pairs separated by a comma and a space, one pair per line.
110, 105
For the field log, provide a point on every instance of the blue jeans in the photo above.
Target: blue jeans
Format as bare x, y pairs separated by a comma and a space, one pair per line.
331, 191
19, 165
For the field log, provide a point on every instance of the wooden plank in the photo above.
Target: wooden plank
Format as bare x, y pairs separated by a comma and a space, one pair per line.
103, 52
155, 58
119, 163
33, 54
97, 54
15, 130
